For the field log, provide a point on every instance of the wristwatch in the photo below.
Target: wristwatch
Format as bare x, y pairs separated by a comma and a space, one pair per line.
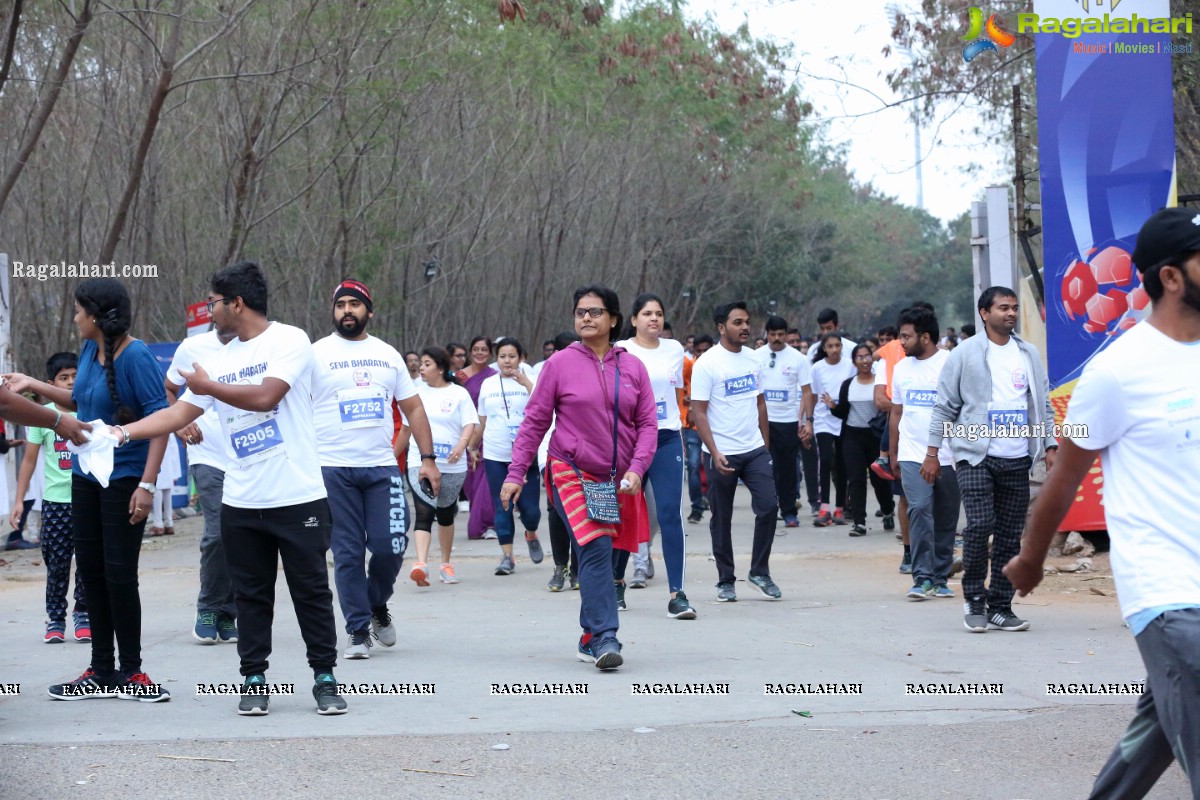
429, 456
149, 487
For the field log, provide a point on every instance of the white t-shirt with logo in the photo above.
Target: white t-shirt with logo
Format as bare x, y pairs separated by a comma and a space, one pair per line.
1140, 401
828, 378
730, 382
782, 383
1010, 398
212, 450
914, 386
273, 454
502, 401
353, 389
449, 409
664, 365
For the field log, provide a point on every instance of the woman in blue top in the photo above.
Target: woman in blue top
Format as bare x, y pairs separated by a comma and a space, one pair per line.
118, 381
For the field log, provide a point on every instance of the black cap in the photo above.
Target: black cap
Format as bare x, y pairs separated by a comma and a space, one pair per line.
1166, 234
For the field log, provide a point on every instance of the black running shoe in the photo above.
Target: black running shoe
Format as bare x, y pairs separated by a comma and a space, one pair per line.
680, 608
88, 686
255, 699
329, 699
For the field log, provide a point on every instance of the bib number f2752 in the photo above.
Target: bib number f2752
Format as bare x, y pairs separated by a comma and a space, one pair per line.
361, 408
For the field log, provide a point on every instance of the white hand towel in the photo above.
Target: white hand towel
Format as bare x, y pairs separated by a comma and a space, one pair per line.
96, 454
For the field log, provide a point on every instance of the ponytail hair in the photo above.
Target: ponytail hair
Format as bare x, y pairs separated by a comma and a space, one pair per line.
106, 300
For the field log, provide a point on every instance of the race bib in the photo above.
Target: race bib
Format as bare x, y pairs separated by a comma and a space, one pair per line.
742, 385
776, 395
363, 407
1001, 415
441, 450
921, 398
661, 408
256, 438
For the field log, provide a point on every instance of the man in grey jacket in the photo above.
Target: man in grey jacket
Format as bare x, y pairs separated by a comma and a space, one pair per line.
993, 403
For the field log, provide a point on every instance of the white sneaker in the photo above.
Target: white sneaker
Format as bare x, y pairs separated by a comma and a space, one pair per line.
359, 647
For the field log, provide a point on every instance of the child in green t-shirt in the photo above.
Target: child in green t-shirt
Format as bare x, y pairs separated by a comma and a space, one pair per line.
58, 540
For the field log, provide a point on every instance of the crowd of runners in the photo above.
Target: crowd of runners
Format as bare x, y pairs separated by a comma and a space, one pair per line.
297, 448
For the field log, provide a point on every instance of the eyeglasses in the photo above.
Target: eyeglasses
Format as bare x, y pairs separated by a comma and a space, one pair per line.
223, 301
772, 364
593, 312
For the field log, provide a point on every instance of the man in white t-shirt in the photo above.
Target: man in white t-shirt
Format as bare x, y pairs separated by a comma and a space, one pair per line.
730, 413
357, 378
787, 388
1137, 407
997, 383
827, 322
933, 500
207, 455
274, 504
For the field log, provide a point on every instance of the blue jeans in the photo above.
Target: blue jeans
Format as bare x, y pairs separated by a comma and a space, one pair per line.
691, 441
932, 518
527, 503
665, 477
369, 514
597, 599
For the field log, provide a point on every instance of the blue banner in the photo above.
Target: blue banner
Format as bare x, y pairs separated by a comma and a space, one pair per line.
1106, 146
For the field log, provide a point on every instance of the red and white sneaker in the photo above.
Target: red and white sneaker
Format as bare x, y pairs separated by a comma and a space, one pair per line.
83, 626
56, 633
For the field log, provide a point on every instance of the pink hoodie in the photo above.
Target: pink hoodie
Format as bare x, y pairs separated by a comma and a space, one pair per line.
576, 393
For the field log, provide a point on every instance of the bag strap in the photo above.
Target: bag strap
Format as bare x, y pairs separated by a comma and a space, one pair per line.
616, 411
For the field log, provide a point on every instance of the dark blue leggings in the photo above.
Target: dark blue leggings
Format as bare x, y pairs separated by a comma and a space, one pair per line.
665, 477
527, 503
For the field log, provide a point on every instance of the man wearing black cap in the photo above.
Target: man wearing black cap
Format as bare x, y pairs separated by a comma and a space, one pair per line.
357, 378
1137, 407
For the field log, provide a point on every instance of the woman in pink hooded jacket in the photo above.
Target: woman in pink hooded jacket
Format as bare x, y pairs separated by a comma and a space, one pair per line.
578, 389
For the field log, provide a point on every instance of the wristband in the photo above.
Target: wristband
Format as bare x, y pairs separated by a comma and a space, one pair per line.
429, 456
147, 486
57, 419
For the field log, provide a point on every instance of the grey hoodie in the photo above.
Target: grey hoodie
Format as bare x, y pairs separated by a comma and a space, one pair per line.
965, 389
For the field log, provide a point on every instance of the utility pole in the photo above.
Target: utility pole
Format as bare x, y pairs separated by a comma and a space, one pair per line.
1025, 228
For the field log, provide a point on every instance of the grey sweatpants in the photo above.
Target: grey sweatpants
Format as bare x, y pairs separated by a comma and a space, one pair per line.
1166, 726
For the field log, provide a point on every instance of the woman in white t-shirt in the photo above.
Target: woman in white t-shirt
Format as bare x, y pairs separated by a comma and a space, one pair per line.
860, 441
502, 399
827, 376
663, 359
452, 421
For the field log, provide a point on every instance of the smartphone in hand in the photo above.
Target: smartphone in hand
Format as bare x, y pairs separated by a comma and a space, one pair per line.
427, 487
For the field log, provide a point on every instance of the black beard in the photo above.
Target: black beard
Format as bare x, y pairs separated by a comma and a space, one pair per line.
353, 331
1191, 293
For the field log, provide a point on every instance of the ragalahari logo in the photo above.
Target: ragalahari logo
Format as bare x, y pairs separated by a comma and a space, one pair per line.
976, 26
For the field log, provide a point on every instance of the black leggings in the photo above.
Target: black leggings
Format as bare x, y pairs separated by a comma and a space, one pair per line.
107, 547
427, 514
860, 446
829, 460
560, 538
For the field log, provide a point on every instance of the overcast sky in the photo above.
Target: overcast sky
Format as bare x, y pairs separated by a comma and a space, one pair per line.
838, 42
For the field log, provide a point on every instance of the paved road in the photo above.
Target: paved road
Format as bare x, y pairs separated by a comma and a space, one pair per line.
843, 620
